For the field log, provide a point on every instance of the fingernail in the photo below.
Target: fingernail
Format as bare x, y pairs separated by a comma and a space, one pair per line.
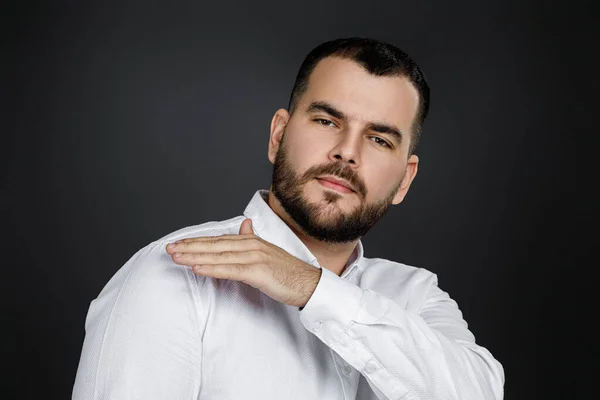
170, 245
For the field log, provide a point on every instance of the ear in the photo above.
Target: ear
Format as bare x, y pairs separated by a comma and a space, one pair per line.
278, 123
409, 174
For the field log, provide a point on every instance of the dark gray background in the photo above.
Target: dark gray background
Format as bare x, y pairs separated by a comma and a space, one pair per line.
127, 121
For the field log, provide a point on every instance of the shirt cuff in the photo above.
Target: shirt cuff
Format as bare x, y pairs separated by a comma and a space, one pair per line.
335, 302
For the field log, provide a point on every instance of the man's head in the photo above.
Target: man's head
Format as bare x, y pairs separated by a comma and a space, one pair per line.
378, 59
355, 114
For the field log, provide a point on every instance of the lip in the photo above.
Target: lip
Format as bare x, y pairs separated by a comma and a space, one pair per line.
336, 182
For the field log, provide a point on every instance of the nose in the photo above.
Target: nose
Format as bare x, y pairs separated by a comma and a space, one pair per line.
347, 149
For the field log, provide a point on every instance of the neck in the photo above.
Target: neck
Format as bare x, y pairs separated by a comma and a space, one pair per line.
332, 256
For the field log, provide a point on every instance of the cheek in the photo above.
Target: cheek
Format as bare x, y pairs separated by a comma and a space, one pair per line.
306, 154
382, 176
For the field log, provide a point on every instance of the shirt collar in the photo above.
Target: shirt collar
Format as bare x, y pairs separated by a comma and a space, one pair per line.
268, 226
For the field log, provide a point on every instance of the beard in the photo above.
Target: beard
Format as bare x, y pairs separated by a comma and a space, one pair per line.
325, 220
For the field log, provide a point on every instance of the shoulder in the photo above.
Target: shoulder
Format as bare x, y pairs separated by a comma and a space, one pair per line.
153, 259
211, 228
150, 280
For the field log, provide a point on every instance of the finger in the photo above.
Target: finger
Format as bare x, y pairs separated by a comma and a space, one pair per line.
203, 238
251, 257
236, 272
213, 244
246, 227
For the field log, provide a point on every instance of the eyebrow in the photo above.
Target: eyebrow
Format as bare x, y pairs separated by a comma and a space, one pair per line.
380, 127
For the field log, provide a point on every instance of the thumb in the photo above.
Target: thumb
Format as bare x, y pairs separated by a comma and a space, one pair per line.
246, 227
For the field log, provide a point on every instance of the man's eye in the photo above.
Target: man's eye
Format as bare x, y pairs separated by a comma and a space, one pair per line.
380, 141
325, 122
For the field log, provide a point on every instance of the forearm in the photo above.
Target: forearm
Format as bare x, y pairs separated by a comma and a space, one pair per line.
421, 355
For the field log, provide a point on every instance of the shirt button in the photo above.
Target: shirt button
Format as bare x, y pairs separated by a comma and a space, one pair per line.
346, 370
318, 326
371, 367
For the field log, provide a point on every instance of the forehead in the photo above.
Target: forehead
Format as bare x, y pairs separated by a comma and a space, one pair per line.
360, 95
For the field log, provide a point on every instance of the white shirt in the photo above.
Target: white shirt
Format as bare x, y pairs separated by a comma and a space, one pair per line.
381, 330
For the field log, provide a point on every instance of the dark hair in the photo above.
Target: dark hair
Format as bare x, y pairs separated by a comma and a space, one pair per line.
378, 58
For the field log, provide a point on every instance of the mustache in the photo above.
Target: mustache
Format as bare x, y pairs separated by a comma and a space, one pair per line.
339, 170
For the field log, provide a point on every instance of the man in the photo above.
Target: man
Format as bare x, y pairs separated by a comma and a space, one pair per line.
280, 302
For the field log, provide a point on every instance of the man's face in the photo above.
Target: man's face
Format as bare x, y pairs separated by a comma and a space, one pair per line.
343, 128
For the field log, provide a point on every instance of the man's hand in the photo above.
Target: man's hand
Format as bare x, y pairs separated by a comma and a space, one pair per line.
252, 260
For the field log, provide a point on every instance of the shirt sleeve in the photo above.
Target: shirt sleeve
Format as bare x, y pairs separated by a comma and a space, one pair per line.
143, 333
403, 354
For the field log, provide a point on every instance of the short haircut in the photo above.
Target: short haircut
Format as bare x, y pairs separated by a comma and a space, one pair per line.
377, 58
